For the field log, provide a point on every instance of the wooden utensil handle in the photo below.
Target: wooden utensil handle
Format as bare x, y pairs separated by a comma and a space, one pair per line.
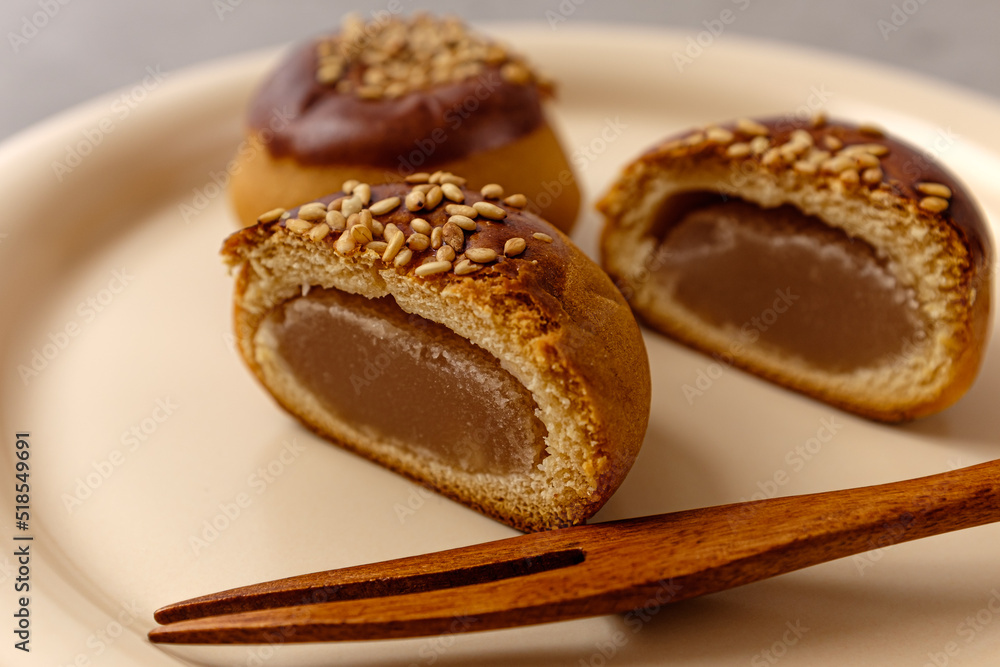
716, 548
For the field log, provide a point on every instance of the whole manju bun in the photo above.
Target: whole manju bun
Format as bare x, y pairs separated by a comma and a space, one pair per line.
383, 100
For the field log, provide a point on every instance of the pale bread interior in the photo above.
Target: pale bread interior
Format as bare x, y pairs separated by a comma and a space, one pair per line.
550, 495
915, 252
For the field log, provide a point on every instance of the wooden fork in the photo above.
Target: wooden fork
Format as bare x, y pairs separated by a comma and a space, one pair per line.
603, 568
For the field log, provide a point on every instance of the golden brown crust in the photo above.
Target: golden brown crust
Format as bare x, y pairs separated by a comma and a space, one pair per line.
858, 179
533, 165
549, 313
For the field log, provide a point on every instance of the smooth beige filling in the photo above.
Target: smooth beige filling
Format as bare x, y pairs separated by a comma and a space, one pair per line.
404, 380
784, 280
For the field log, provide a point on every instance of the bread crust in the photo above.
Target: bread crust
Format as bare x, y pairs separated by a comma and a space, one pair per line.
944, 254
533, 164
549, 314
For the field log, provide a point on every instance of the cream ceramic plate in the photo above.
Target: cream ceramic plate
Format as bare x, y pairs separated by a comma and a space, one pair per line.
160, 470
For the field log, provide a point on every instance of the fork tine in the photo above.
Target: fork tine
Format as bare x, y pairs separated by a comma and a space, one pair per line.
534, 598
534, 578
464, 566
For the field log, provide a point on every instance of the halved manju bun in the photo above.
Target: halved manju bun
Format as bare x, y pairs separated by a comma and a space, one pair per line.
464, 342
829, 258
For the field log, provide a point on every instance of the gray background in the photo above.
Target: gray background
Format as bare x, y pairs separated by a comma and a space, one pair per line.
89, 47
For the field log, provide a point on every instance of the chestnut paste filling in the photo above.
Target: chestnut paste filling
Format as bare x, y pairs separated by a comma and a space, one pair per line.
402, 379
784, 280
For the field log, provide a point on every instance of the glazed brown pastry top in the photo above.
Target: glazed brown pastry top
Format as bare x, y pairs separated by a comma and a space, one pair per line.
397, 94
519, 246
896, 168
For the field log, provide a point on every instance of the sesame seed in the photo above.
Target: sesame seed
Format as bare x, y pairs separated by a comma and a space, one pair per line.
718, 135
488, 210
328, 74
481, 255
418, 242
393, 247
817, 156
319, 232
312, 212
374, 76
739, 149
514, 246
420, 225
542, 237
871, 129
363, 192
463, 221
772, 156
297, 225
837, 164
866, 160
874, 149
403, 258
461, 209
271, 215
804, 167
345, 243
432, 197
933, 204
453, 236
466, 267
516, 200
751, 127
445, 254
792, 149
348, 186
383, 206
759, 144
448, 177
351, 206
361, 234
800, 136
431, 268
419, 177
850, 176
935, 190
365, 218
515, 73
437, 237
694, 139
492, 191
453, 192
872, 175
832, 143
415, 200
391, 230
336, 221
